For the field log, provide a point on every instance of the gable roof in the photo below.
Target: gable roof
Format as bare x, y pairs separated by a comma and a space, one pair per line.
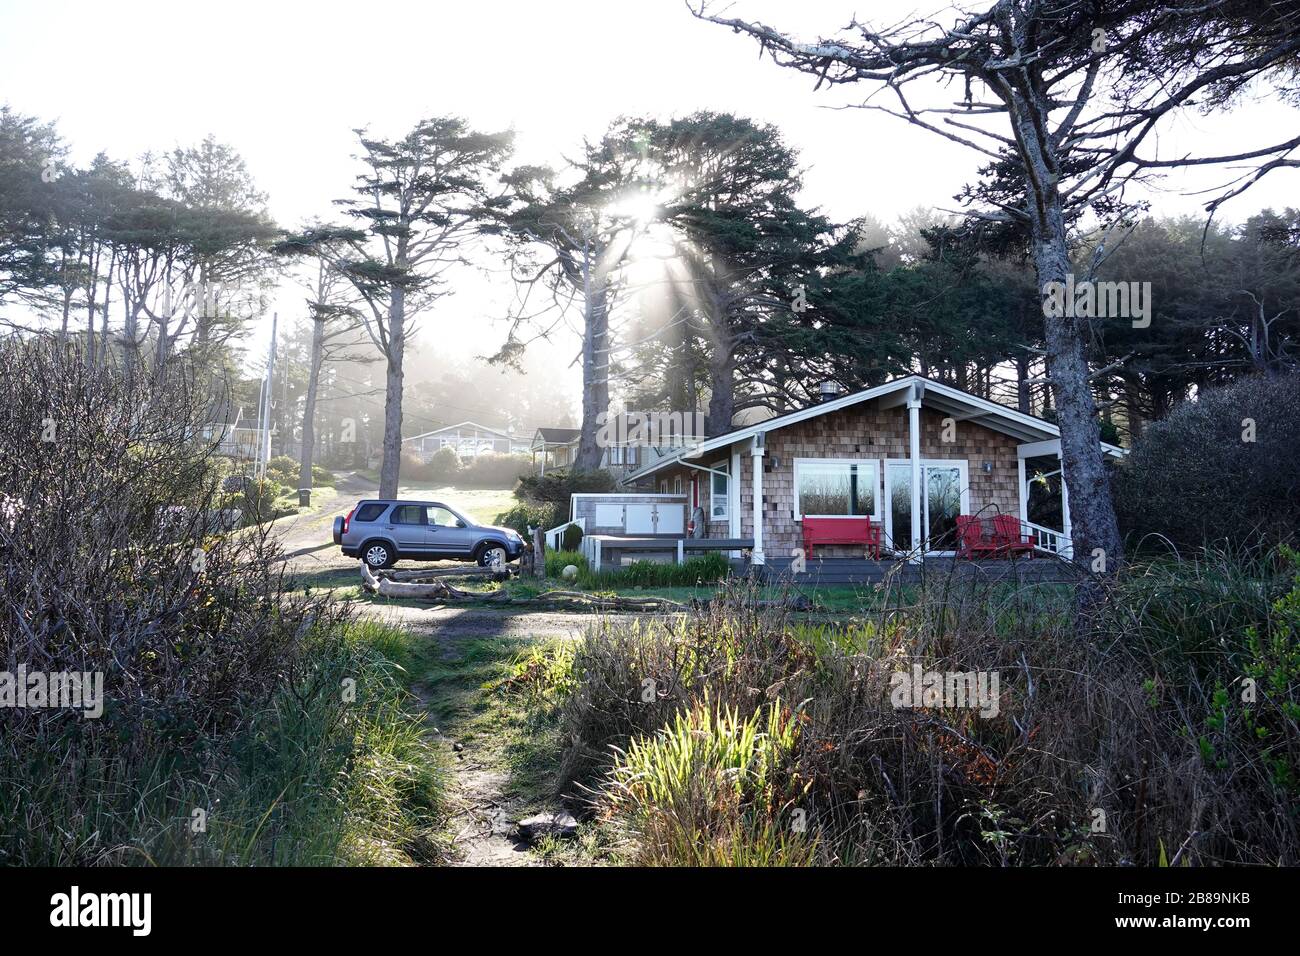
932, 394
447, 428
557, 436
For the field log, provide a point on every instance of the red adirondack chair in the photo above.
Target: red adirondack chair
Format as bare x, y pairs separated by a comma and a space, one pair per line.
971, 541
1009, 539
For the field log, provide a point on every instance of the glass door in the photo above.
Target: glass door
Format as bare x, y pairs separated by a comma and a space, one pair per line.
943, 496
898, 493
942, 506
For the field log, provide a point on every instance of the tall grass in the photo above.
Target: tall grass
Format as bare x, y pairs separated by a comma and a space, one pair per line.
1130, 741
708, 568
314, 775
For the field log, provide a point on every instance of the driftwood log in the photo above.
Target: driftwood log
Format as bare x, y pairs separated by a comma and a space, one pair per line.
434, 589
424, 574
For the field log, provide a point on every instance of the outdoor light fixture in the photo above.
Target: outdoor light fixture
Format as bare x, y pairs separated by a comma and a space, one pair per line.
988, 467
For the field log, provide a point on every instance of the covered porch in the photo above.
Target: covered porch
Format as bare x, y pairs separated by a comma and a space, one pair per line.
912, 470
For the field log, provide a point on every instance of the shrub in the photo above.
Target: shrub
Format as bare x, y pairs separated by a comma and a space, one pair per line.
706, 569
718, 735
491, 470
571, 538
1193, 479
557, 561
443, 468
523, 516
556, 487
219, 689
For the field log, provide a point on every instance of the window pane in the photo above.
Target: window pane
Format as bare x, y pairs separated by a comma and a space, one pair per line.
900, 505
834, 489
442, 517
408, 514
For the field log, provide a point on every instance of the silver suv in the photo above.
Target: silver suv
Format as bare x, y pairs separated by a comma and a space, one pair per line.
381, 532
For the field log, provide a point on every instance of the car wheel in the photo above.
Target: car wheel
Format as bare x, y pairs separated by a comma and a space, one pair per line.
492, 556
378, 555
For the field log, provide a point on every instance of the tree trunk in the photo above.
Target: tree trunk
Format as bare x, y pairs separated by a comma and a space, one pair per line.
595, 373
388, 472
1024, 394
1092, 513
309, 404
722, 383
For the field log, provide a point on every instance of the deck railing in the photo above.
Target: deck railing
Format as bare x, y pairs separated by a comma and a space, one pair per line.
555, 537
1049, 541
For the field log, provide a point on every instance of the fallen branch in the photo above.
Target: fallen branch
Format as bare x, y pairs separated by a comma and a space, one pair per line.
437, 590
422, 574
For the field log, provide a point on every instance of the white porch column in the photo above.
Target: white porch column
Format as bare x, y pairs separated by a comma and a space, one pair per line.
914, 450
1068, 548
756, 461
1022, 490
733, 498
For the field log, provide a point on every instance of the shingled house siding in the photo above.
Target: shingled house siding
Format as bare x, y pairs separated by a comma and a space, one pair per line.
862, 432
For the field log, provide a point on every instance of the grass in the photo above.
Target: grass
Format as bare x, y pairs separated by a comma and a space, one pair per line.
467, 686
333, 768
483, 505
745, 736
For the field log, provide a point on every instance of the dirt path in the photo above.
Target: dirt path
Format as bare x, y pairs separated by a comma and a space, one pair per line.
483, 809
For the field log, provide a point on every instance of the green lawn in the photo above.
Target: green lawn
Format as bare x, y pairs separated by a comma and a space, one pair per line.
481, 504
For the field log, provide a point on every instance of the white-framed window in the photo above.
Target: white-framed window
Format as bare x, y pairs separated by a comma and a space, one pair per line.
631, 454
677, 484
616, 454
719, 492
836, 487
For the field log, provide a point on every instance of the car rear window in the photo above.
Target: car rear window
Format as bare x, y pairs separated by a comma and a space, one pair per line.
370, 512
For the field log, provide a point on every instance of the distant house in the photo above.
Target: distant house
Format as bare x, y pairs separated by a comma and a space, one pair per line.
232, 432
554, 448
467, 440
558, 447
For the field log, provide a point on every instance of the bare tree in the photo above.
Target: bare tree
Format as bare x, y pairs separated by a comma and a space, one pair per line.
1061, 97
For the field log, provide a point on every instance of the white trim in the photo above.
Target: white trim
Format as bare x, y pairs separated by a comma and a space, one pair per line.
963, 466
1038, 449
733, 493
1022, 491
756, 450
714, 473
875, 485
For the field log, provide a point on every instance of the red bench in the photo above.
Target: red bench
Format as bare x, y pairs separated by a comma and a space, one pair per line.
841, 531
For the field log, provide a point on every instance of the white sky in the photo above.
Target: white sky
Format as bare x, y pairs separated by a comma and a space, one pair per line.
285, 83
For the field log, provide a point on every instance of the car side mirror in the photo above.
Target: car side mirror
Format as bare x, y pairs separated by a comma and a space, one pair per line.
460, 523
